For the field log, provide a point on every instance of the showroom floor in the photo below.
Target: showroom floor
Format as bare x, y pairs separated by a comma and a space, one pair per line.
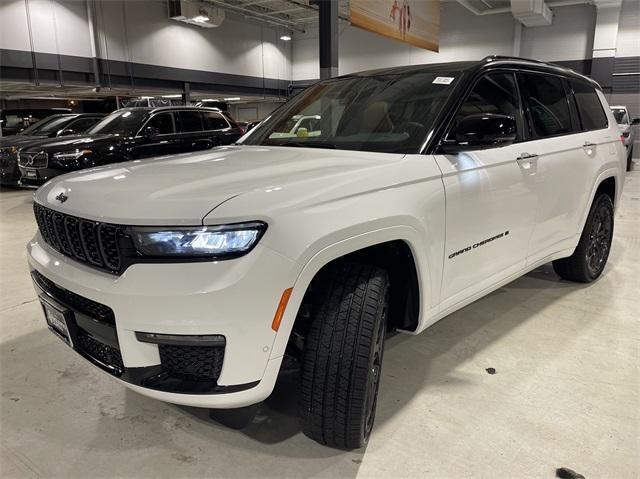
565, 391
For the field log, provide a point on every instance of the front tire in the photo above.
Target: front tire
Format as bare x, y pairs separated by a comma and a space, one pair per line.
343, 356
590, 257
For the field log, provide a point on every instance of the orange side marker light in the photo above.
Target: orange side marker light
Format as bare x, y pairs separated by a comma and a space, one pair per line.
281, 307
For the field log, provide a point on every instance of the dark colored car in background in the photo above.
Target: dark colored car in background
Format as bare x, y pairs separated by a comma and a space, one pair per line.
128, 134
16, 120
51, 127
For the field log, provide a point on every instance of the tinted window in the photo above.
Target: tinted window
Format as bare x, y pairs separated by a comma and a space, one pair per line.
189, 121
494, 93
82, 124
121, 122
547, 104
590, 109
214, 121
163, 122
390, 112
52, 127
620, 114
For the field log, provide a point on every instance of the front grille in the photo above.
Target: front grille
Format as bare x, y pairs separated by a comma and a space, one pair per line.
7, 158
87, 306
83, 240
192, 363
33, 160
103, 353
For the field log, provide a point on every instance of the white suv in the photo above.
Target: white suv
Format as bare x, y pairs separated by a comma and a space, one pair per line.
190, 278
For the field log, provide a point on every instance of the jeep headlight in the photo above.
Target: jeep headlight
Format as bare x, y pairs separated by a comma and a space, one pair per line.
198, 242
70, 155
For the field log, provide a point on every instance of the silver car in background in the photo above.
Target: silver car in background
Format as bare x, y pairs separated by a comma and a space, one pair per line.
621, 114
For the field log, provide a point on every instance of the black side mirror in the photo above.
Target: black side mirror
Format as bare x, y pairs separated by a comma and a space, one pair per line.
150, 132
480, 131
67, 132
635, 121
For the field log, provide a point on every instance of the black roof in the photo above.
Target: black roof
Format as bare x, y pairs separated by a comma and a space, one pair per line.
471, 66
152, 109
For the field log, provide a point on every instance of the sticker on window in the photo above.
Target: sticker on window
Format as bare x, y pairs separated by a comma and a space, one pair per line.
443, 80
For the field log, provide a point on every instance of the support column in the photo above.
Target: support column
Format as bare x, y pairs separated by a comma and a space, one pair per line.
328, 28
186, 93
604, 41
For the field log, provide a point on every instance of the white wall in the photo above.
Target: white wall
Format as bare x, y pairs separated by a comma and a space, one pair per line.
629, 30
141, 32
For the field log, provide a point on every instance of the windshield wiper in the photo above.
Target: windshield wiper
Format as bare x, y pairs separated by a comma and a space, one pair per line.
304, 144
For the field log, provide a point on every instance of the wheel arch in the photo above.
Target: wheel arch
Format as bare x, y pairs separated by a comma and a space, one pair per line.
381, 245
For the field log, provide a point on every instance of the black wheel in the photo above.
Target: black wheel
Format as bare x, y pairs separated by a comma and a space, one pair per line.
591, 254
630, 157
343, 356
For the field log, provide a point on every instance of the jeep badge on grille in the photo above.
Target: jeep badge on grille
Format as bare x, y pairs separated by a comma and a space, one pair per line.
62, 197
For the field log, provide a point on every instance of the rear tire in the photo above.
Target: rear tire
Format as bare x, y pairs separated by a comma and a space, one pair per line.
630, 157
590, 257
343, 356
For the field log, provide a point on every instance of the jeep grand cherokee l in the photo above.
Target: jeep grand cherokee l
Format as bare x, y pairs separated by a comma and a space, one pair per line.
128, 134
51, 127
191, 278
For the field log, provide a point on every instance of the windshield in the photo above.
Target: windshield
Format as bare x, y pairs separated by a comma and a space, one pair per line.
620, 114
48, 126
123, 122
382, 113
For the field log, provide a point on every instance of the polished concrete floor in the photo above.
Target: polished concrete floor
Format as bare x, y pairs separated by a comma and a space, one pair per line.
565, 392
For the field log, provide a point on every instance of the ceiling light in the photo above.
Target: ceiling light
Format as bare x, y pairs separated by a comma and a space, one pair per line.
286, 38
172, 96
235, 98
200, 19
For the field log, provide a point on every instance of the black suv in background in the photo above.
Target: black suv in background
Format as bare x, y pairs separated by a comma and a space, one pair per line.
128, 134
51, 127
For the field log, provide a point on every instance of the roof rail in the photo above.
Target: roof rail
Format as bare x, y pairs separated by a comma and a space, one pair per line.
490, 58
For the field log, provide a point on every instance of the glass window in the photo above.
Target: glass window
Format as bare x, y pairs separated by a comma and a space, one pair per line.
547, 104
494, 93
214, 121
163, 122
82, 124
621, 116
590, 109
49, 128
382, 113
121, 122
189, 121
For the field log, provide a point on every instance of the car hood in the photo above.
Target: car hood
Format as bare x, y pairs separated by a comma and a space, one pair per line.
70, 143
19, 140
183, 189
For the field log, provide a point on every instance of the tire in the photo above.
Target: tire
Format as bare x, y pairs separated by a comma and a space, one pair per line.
630, 157
590, 257
342, 357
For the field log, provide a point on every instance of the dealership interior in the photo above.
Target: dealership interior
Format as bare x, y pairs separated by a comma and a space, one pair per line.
532, 376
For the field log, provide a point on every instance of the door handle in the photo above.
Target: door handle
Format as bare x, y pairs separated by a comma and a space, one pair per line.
588, 144
526, 159
526, 156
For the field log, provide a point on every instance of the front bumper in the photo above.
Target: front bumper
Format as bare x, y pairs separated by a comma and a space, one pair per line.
34, 177
235, 299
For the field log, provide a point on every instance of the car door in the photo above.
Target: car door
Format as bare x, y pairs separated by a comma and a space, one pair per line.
191, 131
157, 137
490, 197
564, 162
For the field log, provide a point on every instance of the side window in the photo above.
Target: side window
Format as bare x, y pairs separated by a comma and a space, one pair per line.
83, 124
546, 102
214, 121
590, 109
495, 93
163, 122
189, 121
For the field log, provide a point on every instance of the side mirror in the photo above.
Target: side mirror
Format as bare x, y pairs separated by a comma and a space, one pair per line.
635, 121
67, 132
150, 132
480, 131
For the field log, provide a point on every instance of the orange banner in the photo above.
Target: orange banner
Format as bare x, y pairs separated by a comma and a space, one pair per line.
416, 22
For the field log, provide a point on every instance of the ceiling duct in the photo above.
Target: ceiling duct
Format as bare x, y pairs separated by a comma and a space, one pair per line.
531, 13
195, 13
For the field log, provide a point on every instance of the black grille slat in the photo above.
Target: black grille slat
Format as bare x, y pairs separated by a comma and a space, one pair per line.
83, 240
90, 242
73, 234
103, 353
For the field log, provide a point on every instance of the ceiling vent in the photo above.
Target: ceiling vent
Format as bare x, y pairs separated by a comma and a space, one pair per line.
531, 13
195, 13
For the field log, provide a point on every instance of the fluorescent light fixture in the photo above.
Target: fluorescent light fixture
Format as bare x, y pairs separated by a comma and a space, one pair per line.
209, 99
172, 96
286, 38
200, 19
234, 98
